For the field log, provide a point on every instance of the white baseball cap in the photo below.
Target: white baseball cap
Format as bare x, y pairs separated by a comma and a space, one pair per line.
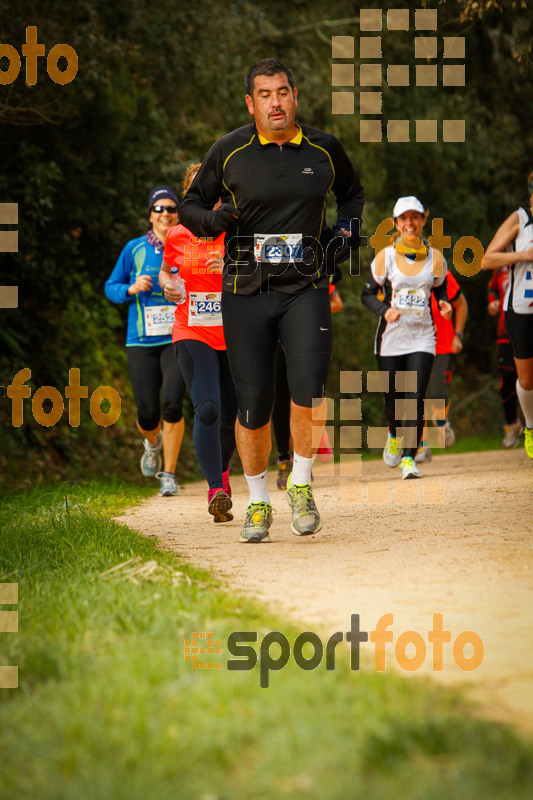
404, 204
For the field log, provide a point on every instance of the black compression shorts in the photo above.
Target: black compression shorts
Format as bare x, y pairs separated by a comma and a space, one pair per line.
158, 385
281, 413
520, 330
253, 325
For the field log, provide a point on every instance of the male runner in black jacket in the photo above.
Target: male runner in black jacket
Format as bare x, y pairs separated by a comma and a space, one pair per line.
274, 177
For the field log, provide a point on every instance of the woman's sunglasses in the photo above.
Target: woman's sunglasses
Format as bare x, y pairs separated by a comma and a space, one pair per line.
161, 209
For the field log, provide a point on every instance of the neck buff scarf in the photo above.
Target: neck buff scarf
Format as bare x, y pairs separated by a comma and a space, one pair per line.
154, 241
409, 251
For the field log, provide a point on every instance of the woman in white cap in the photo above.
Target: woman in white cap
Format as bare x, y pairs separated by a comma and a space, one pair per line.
404, 275
512, 246
157, 382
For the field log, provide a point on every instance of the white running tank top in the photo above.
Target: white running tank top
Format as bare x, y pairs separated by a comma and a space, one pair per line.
414, 331
519, 295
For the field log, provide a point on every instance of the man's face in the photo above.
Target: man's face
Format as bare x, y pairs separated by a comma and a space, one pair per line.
273, 104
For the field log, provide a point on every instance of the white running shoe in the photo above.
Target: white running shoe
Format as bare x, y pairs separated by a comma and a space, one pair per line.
168, 485
392, 452
423, 454
512, 434
449, 435
409, 468
152, 458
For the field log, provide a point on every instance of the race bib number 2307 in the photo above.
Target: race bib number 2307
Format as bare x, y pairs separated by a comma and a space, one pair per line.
278, 248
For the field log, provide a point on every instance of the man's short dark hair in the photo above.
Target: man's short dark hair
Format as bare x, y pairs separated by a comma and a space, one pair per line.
269, 67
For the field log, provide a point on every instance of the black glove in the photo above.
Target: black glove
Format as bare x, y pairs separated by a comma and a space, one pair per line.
335, 251
353, 238
224, 218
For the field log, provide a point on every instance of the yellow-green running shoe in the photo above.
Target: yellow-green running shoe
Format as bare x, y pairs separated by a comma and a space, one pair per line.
392, 453
409, 468
258, 521
305, 517
528, 442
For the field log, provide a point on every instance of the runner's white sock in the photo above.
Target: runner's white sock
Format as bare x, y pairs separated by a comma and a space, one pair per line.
301, 470
257, 486
525, 398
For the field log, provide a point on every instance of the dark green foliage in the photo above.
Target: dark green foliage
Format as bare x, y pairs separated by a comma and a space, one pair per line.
155, 87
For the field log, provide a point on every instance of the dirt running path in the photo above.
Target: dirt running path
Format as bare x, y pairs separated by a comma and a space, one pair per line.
389, 546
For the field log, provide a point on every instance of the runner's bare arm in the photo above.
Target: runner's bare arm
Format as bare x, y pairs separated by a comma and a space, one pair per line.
495, 255
169, 292
460, 306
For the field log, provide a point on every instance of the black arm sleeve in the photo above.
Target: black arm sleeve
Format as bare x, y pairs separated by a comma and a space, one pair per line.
347, 185
349, 194
196, 211
335, 252
441, 292
370, 299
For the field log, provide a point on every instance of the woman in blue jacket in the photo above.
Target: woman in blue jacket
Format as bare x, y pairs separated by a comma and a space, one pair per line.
158, 386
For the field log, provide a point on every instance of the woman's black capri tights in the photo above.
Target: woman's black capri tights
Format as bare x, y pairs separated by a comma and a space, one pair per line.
419, 366
158, 385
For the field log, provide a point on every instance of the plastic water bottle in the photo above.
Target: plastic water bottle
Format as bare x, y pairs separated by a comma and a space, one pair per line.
178, 283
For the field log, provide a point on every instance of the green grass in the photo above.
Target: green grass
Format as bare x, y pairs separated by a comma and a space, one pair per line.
463, 444
473, 444
108, 708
